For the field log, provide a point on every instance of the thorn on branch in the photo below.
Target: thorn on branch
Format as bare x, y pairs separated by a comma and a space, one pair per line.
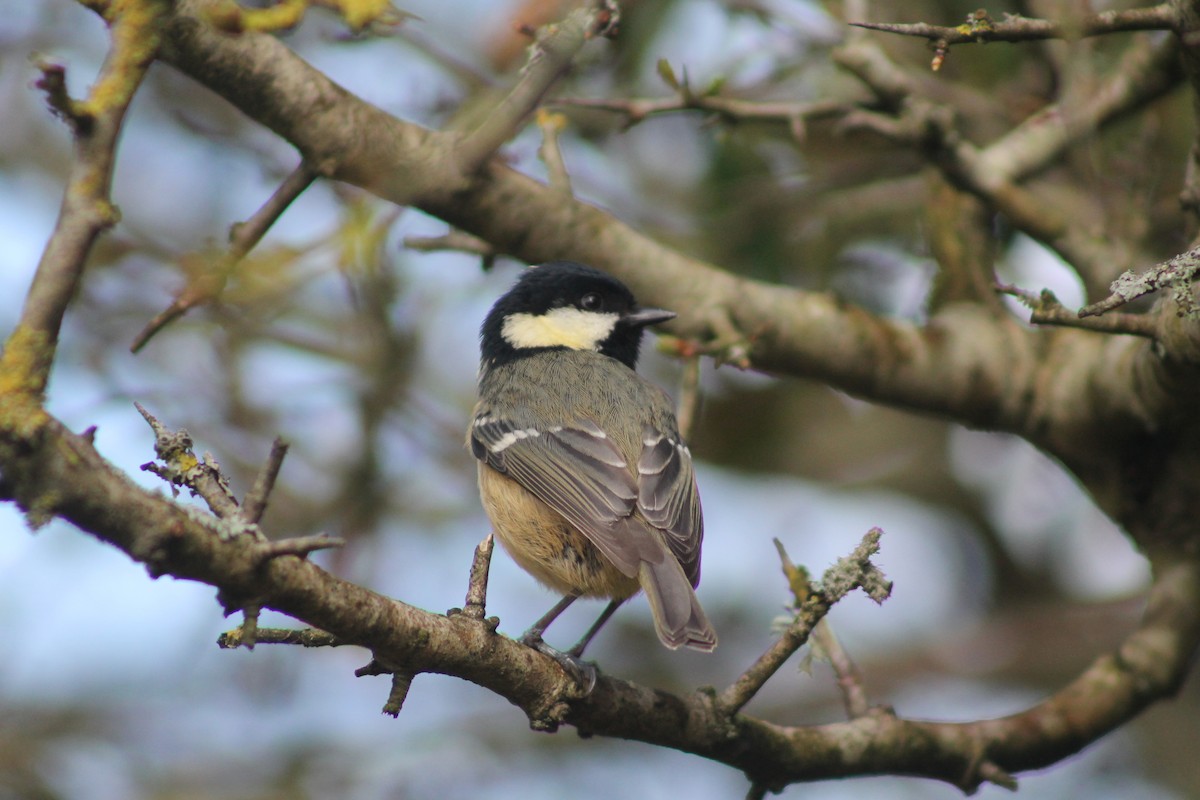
455, 239
401, 683
299, 546
476, 603
372, 667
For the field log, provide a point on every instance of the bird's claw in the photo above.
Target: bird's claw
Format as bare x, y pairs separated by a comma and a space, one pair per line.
582, 672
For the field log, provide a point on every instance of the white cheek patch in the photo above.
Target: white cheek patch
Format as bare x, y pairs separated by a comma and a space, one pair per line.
559, 327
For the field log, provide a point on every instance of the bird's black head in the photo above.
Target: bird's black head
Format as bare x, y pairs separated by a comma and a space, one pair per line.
563, 304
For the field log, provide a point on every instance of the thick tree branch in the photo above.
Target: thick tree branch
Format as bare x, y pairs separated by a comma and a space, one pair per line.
169, 539
965, 363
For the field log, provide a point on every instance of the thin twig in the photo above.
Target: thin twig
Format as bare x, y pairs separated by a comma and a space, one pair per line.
1177, 273
550, 57
550, 153
305, 637
87, 209
731, 109
181, 467
255, 502
1045, 309
689, 396
243, 237
849, 679
300, 546
850, 572
454, 239
980, 28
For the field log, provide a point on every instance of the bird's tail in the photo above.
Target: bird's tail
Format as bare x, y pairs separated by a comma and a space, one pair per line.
678, 617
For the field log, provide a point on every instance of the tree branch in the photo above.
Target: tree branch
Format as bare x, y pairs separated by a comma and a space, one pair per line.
242, 238
87, 209
554, 49
980, 28
964, 363
171, 540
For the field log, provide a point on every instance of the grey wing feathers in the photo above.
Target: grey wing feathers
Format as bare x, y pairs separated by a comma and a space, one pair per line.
668, 498
575, 470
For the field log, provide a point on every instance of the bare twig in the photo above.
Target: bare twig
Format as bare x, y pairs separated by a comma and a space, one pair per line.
453, 239
728, 108
689, 396
243, 237
550, 153
550, 57
1045, 309
86, 209
299, 546
850, 572
304, 637
255, 502
401, 683
181, 467
980, 28
249, 630
476, 603
1177, 273
849, 679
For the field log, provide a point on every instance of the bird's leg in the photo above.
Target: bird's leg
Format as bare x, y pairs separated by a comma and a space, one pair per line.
577, 650
584, 674
533, 636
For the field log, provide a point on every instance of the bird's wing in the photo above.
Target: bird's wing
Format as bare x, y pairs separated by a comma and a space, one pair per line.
668, 499
575, 470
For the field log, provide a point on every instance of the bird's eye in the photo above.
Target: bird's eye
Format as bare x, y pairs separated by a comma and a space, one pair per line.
591, 301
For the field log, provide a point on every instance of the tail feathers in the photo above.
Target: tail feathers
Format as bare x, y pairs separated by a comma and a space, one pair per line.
678, 617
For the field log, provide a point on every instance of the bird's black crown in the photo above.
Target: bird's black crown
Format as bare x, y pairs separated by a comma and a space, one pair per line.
563, 285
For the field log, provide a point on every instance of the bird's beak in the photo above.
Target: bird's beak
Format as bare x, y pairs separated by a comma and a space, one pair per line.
647, 316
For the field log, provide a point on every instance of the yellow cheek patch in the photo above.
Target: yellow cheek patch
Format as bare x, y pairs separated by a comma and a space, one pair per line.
560, 327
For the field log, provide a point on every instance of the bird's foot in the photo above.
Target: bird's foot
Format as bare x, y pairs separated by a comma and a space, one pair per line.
582, 672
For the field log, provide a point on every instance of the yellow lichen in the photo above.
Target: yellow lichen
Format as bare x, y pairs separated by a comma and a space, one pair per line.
136, 37
25, 362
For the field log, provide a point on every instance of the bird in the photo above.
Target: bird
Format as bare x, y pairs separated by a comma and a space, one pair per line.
582, 471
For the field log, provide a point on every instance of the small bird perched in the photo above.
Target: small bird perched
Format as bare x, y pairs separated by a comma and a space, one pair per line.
582, 471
